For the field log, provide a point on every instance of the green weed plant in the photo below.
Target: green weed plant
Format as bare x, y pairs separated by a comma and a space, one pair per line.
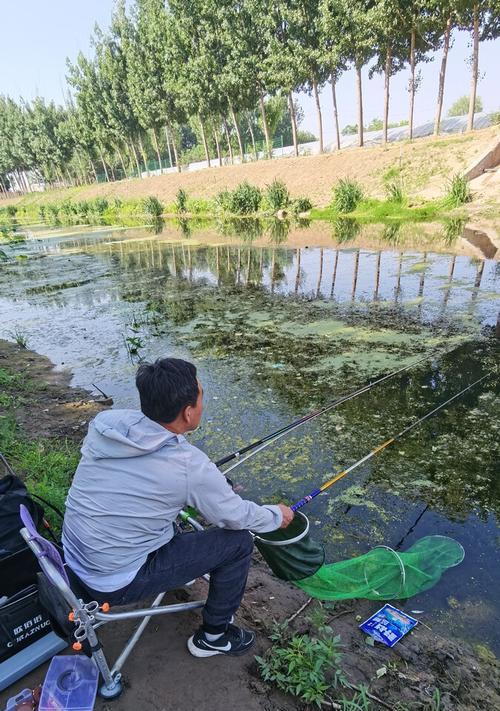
181, 201
277, 195
458, 192
347, 194
301, 204
245, 199
152, 207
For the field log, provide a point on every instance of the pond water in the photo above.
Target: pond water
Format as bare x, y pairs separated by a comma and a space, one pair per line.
280, 324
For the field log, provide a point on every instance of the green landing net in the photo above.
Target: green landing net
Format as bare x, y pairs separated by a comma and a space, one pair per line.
380, 574
385, 574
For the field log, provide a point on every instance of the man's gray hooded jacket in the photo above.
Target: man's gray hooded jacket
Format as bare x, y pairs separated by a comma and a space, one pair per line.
132, 480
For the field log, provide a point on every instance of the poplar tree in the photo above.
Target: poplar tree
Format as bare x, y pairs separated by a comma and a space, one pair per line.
347, 20
482, 19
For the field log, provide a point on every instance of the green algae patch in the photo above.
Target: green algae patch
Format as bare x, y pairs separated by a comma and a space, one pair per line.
420, 267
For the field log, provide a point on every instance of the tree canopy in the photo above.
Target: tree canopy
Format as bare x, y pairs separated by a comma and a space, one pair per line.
168, 83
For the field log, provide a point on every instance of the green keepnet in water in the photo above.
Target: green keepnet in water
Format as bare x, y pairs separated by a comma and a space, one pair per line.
385, 574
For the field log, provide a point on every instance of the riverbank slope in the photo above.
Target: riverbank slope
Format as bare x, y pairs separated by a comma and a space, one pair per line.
425, 165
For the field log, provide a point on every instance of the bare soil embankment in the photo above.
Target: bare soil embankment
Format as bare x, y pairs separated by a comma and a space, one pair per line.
426, 164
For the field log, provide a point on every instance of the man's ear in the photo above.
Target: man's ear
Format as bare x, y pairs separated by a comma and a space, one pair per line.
186, 414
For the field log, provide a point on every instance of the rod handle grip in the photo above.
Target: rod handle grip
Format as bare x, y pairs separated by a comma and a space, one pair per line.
305, 500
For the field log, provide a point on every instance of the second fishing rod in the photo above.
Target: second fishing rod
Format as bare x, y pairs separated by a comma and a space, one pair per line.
258, 445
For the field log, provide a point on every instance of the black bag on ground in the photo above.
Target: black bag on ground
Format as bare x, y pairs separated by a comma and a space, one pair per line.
22, 621
13, 493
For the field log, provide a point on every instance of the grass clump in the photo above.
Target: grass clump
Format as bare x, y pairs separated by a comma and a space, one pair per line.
222, 201
9, 210
152, 206
20, 338
301, 204
458, 192
347, 194
181, 200
394, 191
52, 213
277, 195
245, 199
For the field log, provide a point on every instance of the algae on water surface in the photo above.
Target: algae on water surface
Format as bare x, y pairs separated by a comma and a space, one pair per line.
277, 332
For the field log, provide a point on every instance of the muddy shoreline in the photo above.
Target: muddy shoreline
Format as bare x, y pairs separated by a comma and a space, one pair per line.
161, 674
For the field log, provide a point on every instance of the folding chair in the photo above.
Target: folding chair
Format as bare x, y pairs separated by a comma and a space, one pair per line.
87, 617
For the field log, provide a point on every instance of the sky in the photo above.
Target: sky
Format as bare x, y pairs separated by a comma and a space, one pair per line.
36, 37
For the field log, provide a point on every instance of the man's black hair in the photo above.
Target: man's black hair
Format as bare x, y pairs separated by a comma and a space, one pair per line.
166, 387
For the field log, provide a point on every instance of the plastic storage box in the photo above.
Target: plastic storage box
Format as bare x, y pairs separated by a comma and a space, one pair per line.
70, 685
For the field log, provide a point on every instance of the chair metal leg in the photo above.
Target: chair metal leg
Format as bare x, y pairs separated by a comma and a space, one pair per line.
134, 638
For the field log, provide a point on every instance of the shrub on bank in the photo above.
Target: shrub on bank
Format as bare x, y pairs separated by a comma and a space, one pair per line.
222, 201
301, 204
458, 192
245, 199
347, 194
277, 195
152, 207
394, 192
181, 200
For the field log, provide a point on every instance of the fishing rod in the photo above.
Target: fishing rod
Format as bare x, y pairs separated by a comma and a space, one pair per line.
259, 445
381, 447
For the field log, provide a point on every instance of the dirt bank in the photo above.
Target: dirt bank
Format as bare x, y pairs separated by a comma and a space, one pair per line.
426, 165
162, 675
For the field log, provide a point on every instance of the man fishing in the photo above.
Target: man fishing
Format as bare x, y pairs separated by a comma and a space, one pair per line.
136, 473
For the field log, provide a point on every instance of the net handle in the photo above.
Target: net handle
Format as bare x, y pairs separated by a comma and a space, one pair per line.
289, 541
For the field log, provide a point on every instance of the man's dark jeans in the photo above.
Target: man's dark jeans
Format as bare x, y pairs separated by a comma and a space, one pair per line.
223, 553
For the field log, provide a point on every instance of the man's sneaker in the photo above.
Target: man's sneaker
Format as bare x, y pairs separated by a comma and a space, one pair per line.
234, 641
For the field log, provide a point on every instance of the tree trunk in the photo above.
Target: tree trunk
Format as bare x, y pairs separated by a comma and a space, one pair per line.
120, 155
157, 147
320, 118
293, 120
228, 139
412, 82
252, 136
475, 67
143, 154
171, 135
103, 163
387, 78
360, 105
264, 124
335, 112
442, 74
111, 170
217, 147
93, 168
238, 134
204, 139
136, 158
167, 138
21, 181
